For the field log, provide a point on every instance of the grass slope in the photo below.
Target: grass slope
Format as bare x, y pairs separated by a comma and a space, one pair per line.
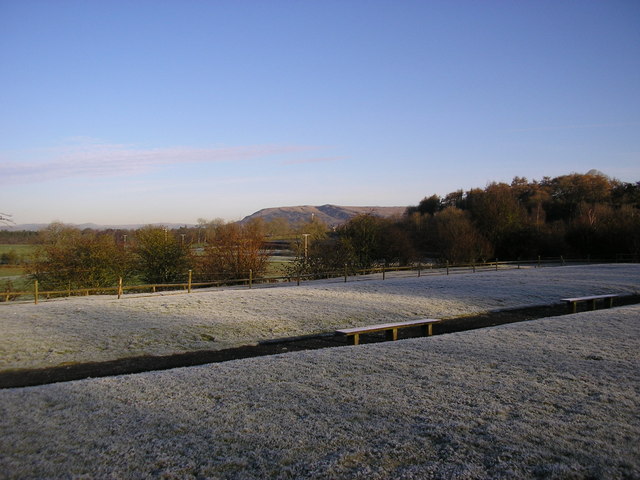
552, 398
81, 329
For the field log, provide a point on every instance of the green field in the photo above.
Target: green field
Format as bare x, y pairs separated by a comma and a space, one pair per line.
17, 254
14, 277
19, 249
276, 267
11, 271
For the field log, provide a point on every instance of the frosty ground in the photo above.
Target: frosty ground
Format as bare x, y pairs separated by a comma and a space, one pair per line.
550, 398
82, 329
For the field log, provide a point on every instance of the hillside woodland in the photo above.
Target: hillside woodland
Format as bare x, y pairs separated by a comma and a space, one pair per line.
573, 214
576, 215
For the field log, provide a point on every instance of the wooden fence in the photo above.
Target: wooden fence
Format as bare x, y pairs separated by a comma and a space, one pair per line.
380, 271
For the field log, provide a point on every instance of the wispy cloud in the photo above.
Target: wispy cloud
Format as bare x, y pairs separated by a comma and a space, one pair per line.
312, 160
97, 160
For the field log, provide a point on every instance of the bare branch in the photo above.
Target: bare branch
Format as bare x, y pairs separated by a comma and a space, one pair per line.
5, 218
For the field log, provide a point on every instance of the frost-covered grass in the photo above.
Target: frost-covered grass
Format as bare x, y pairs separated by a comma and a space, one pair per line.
551, 398
83, 329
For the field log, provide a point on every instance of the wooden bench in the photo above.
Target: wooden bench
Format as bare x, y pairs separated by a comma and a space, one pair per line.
573, 302
390, 329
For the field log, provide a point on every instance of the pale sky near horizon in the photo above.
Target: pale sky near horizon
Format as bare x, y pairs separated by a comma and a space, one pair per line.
121, 112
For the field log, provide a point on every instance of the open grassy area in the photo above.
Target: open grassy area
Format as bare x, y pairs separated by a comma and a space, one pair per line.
100, 328
16, 282
551, 398
554, 398
15, 272
24, 250
276, 267
11, 270
13, 259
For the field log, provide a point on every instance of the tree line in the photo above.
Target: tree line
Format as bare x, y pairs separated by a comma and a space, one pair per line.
69, 258
576, 215
571, 215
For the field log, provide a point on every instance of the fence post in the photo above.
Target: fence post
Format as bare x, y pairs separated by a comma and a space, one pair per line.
496, 264
298, 277
35, 291
119, 287
474, 266
189, 283
250, 278
418, 269
345, 273
384, 264
447, 267
538, 261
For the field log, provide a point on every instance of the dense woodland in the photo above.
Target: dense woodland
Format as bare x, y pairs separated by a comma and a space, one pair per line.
573, 215
576, 215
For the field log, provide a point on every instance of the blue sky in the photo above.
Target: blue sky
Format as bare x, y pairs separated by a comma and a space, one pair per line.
121, 112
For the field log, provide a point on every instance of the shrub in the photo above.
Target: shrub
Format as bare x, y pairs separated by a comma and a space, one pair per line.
160, 258
236, 249
69, 258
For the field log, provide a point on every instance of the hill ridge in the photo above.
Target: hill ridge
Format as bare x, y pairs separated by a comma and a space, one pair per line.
330, 214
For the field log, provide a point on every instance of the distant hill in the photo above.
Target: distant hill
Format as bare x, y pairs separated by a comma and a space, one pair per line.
36, 227
332, 215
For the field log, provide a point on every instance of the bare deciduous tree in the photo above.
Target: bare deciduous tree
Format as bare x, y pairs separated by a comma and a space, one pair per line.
234, 251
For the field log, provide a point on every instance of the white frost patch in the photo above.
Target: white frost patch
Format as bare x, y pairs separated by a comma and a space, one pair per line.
552, 398
84, 329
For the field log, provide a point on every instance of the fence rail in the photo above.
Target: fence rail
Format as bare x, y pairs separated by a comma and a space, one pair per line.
380, 271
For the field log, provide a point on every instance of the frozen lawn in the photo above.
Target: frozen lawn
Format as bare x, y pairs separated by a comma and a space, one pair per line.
551, 398
104, 328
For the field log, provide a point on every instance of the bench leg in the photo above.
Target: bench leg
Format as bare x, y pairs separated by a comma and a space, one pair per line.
427, 330
593, 304
391, 334
353, 339
611, 302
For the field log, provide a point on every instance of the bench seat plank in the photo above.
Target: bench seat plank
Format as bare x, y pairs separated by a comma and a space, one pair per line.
592, 297
387, 326
391, 329
573, 302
